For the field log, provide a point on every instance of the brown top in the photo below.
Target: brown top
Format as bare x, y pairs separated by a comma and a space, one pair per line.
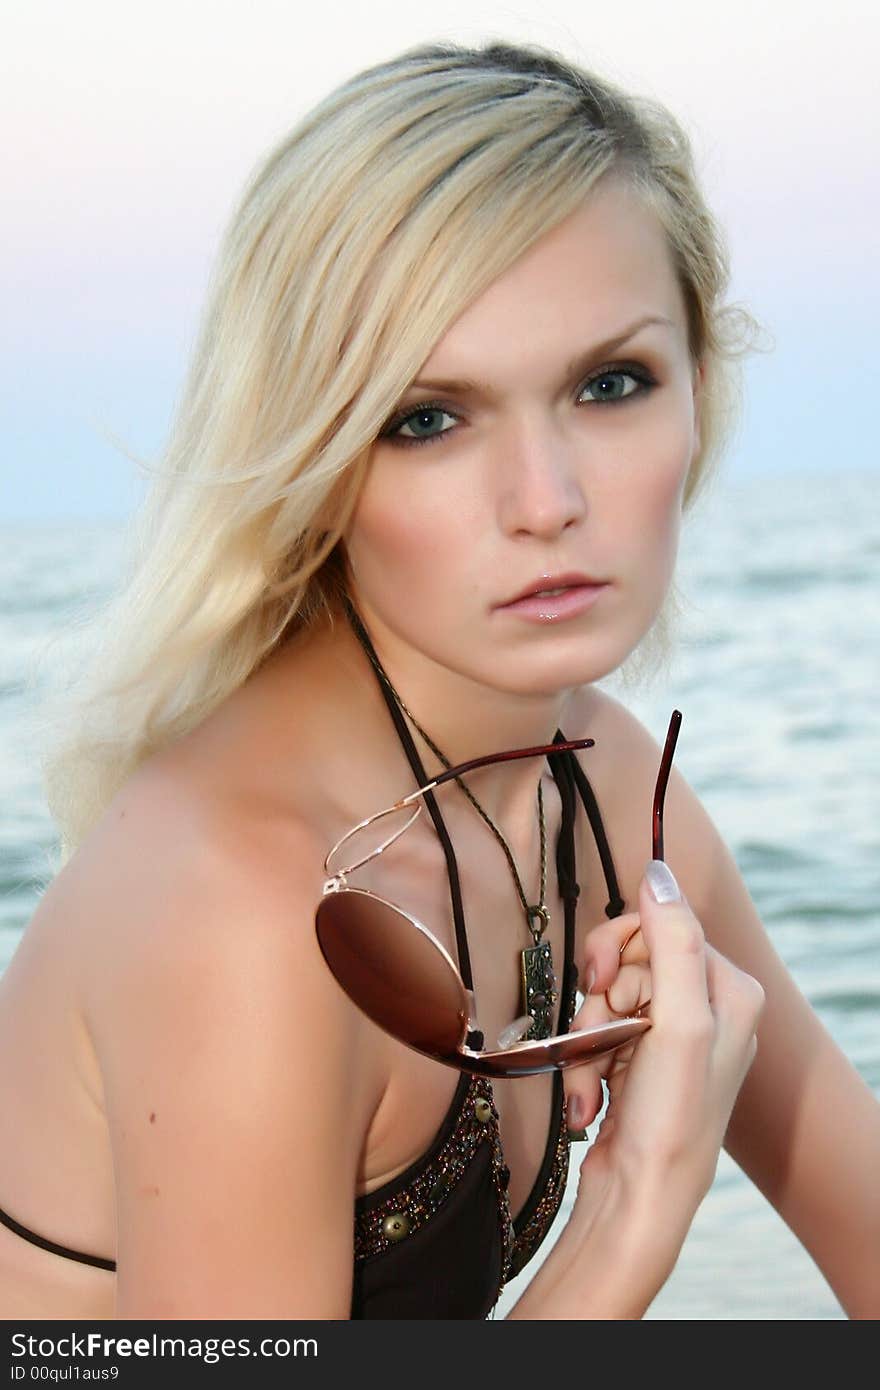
439, 1241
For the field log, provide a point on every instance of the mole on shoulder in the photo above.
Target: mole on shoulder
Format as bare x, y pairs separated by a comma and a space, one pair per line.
152, 1117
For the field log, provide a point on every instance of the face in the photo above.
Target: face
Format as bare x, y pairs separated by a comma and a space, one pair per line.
542, 452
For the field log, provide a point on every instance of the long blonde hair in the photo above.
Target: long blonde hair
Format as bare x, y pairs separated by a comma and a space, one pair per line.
357, 241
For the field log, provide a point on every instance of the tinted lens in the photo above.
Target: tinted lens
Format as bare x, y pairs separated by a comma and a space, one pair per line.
392, 970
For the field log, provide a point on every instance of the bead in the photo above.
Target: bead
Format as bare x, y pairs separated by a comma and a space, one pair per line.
396, 1225
441, 1187
482, 1110
504, 1176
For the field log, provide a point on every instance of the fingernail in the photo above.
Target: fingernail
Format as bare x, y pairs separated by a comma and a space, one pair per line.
514, 1031
574, 1115
590, 980
661, 882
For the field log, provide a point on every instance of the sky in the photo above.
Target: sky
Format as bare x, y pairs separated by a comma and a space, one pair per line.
131, 129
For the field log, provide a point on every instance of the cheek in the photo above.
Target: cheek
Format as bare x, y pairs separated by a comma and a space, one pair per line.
670, 454
663, 495
402, 539
665, 492
642, 489
647, 503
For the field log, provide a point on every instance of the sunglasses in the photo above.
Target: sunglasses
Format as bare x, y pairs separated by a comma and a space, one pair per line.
397, 972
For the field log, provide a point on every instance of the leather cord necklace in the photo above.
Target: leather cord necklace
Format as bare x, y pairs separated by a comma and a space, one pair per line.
538, 979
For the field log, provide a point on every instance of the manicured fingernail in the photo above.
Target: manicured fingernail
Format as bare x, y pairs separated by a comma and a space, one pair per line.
591, 980
574, 1114
514, 1031
661, 882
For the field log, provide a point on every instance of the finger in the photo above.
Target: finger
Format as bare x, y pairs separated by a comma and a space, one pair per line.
677, 947
633, 950
630, 990
602, 951
593, 1013
583, 1094
593, 1010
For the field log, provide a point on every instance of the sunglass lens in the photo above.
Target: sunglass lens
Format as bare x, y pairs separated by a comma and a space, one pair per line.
393, 970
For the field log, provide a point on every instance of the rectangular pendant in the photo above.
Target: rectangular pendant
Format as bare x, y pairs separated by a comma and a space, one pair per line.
538, 992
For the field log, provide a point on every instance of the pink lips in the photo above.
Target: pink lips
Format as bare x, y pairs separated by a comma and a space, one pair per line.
569, 580
548, 608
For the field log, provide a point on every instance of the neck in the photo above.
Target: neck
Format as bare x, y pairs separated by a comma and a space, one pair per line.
463, 719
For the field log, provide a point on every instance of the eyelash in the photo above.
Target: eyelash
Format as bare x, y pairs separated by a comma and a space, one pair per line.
640, 374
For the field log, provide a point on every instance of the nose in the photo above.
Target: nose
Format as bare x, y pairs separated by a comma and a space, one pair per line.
540, 480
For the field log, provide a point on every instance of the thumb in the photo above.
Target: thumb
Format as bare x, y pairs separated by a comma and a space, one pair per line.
661, 883
675, 942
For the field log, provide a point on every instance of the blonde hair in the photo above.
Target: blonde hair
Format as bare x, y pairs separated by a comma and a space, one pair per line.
356, 243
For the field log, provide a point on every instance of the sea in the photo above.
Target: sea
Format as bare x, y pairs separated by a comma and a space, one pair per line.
776, 670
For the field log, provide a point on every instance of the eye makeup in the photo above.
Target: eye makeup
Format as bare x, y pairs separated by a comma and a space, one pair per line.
645, 382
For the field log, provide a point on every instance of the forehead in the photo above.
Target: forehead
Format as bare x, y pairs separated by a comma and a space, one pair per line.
605, 266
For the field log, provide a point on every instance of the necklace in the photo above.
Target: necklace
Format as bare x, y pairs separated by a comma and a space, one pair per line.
538, 981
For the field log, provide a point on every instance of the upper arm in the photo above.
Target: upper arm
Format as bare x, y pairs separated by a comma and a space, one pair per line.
805, 1127
236, 1086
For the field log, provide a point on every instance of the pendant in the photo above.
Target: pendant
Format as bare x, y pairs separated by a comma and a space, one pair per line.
538, 988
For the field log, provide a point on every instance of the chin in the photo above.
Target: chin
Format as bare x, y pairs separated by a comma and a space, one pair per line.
542, 678
581, 659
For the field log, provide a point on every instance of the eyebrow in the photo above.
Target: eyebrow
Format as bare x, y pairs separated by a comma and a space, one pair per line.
576, 364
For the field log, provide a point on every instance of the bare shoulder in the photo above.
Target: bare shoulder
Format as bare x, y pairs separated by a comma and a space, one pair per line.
237, 1083
170, 869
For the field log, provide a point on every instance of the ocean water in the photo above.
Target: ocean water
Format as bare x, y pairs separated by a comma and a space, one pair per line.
777, 674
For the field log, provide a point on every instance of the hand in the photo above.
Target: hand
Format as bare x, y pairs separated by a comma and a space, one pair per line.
671, 1092
617, 982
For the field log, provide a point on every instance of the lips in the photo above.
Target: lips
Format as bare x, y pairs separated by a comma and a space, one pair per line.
549, 583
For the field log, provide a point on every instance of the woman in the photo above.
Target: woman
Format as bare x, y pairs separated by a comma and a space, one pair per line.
466, 339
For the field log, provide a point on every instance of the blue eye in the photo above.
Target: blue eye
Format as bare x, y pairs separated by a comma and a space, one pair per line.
615, 375
421, 423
